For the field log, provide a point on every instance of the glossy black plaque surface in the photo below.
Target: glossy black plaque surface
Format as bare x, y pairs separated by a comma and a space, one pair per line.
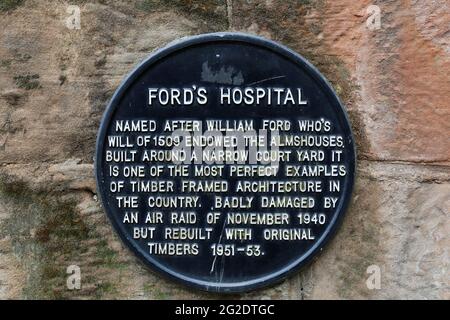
215, 62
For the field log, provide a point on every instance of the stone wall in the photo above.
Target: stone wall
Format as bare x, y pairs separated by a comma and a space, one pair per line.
55, 83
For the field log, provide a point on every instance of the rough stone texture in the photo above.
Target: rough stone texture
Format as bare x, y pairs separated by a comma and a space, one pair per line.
55, 83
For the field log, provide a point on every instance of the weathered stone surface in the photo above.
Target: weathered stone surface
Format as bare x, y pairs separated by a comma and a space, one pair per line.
55, 83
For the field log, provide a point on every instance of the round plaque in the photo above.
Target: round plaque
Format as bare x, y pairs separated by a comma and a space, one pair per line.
225, 161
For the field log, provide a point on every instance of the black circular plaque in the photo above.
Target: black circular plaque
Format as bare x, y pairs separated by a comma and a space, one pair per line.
225, 161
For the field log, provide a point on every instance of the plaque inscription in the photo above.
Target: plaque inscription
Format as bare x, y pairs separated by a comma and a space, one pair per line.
225, 161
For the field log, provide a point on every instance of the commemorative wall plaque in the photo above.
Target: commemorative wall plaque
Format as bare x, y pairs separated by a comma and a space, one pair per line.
225, 162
